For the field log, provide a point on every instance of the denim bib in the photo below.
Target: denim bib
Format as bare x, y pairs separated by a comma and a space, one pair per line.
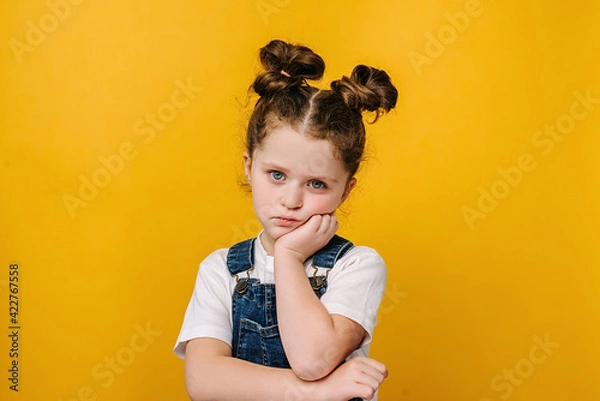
254, 310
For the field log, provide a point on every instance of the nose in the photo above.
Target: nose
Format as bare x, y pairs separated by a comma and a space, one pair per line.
291, 197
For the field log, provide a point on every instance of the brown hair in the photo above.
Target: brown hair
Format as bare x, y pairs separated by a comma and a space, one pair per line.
334, 114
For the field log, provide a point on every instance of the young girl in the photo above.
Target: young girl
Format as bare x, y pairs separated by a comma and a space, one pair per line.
289, 315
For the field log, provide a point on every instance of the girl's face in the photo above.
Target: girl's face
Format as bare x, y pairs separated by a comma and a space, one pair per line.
294, 177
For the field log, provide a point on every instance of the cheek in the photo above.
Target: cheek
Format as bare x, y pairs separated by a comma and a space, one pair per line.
263, 197
323, 205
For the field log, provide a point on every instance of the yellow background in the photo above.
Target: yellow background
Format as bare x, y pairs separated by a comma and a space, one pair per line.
465, 301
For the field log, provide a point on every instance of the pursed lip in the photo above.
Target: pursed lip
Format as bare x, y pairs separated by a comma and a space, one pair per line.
286, 218
285, 221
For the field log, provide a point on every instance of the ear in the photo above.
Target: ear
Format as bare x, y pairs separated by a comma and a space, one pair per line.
349, 187
247, 166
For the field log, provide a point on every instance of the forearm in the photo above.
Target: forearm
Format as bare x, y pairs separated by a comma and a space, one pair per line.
310, 336
211, 377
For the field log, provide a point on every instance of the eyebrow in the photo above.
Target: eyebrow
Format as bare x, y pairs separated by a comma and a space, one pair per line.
278, 167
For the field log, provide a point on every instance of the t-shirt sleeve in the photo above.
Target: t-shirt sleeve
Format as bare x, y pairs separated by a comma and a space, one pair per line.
208, 313
355, 288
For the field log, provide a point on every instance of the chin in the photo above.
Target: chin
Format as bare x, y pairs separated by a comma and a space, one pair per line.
277, 232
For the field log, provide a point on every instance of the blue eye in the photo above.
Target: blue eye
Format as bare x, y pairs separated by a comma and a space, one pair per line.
276, 175
317, 184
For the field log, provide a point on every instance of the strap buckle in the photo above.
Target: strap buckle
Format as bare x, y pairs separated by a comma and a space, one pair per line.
242, 285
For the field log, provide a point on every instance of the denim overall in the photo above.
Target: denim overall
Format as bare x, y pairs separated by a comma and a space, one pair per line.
255, 332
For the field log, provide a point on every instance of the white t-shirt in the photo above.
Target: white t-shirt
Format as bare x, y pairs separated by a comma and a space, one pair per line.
355, 288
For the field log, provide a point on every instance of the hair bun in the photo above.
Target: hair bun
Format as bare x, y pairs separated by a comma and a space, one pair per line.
286, 66
367, 89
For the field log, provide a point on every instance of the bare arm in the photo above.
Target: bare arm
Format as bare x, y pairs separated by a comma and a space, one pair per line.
315, 341
212, 374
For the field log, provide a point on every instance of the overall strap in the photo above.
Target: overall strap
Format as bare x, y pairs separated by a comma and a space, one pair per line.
330, 253
241, 256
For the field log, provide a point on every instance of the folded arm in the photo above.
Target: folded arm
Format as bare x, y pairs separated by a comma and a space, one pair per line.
315, 341
212, 374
